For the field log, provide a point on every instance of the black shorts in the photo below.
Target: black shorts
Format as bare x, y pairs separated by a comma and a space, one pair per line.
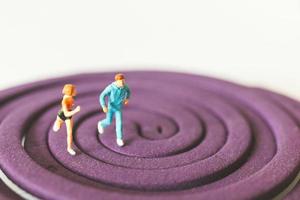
62, 116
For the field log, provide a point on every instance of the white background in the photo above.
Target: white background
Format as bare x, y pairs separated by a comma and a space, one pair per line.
255, 42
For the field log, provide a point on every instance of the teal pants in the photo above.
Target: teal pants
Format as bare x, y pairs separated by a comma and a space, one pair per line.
108, 120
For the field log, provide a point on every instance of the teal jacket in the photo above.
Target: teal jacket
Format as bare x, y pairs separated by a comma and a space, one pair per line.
116, 96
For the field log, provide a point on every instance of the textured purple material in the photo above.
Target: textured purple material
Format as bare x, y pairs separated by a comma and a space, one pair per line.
294, 194
6, 193
187, 137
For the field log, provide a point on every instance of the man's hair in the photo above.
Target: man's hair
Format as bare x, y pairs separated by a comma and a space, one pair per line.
69, 89
119, 76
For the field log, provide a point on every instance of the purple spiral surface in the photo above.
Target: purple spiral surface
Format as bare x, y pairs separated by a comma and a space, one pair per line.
187, 137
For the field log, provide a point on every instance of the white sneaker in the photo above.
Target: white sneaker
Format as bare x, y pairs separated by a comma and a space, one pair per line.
55, 127
120, 142
72, 152
100, 128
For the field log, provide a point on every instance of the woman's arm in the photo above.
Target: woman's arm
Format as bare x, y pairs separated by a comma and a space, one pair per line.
67, 112
70, 113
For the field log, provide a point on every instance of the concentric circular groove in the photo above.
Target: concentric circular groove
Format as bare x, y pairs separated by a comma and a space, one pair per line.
187, 137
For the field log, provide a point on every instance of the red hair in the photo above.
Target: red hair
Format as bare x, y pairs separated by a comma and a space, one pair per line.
119, 76
69, 89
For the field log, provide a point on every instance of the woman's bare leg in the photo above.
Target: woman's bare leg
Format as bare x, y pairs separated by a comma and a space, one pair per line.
69, 124
57, 124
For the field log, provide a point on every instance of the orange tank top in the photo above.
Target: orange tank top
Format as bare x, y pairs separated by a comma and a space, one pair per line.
68, 102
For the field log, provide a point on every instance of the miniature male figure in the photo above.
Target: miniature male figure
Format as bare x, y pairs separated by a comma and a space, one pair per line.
118, 94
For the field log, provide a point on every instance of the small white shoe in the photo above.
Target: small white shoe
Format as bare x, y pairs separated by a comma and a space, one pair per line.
72, 152
120, 142
100, 128
55, 127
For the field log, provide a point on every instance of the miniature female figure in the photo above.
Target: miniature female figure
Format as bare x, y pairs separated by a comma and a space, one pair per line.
66, 113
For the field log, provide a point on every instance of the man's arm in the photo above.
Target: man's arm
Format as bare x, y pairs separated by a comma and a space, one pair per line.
128, 93
103, 94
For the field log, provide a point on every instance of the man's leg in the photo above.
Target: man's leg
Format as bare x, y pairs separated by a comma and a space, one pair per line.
105, 122
119, 127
